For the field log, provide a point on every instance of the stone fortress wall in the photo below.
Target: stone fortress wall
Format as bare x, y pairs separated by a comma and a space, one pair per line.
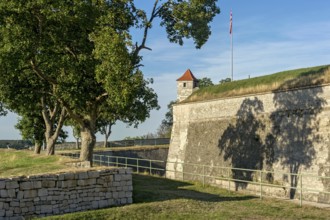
286, 131
52, 194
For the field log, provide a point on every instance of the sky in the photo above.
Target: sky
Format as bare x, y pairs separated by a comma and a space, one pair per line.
268, 37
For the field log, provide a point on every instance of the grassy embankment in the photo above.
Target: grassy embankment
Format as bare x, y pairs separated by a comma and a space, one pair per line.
23, 162
275, 82
159, 198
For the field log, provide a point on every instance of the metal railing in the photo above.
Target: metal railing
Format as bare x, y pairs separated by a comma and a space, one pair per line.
257, 178
204, 173
140, 142
137, 164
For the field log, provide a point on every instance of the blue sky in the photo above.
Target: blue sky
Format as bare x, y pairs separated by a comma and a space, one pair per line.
269, 36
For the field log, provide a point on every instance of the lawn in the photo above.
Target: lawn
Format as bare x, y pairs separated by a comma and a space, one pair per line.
159, 198
24, 162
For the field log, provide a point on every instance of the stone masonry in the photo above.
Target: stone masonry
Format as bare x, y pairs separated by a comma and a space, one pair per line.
282, 132
53, 194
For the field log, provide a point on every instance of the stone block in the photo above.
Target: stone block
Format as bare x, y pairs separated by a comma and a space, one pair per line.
82, 182
91, 182
108, 195
2, 184
37, 184
12, 184
14, 204
123, 201
118, 177
129, 194
103, 203
69, 183
46, 209
126, 177
48, 183
129, 200
2, 213
3, 193
115, 195
116, 184
9, 213
100, 181
42, 192
82, 175
69, 176
30, 194
93, 174
11, 193
95, 204
26, 186
121, 194
121, 171
1, 205
17, 210
20, 195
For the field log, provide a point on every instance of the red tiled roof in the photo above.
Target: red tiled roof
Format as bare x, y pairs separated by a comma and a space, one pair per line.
187, 76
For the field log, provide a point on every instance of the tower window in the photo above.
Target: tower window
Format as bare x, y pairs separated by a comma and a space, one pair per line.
184, 84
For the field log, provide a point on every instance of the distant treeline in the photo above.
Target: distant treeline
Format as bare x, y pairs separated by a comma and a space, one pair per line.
16, 144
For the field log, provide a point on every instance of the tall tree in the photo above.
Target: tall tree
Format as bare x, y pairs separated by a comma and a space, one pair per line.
32, 127
165, 127
84, 51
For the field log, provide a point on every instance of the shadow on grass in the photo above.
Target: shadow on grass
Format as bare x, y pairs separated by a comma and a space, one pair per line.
154, 189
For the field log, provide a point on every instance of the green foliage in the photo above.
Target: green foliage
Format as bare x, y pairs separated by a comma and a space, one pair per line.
3, 112
31, 127
165, 128
204, 82
185, 19
225, 80
266, 83
81, 55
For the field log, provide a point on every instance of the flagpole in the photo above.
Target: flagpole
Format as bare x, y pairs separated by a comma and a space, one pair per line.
232, 48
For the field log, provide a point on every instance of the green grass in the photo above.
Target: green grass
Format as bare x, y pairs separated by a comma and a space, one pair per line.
159, 198
23, 162
275, 82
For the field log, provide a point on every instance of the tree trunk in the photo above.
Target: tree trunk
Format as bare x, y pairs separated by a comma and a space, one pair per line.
88, 141
105, 144
51, 146
107, 133
37, 147
77, 143
52, 132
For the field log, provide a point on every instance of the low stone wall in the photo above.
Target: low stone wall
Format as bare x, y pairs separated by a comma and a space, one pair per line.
52, 194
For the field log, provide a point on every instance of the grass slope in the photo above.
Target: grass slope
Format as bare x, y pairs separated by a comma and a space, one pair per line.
278, 81
159, 198
23, 162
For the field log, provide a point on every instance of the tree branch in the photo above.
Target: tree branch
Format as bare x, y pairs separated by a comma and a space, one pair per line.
39, 73
154, 14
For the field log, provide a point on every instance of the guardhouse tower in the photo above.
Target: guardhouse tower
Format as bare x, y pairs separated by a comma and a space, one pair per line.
186, 84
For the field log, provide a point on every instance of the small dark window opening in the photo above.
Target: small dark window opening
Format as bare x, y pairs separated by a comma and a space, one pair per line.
184, 84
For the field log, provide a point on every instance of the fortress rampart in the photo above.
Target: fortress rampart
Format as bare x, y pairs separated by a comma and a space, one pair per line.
287, 131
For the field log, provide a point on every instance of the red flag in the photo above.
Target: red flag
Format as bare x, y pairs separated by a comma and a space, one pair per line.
231, 22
